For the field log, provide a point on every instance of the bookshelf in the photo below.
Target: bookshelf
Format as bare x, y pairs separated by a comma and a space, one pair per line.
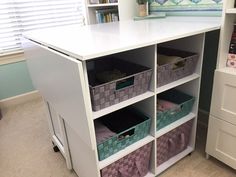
222, 124
115, 10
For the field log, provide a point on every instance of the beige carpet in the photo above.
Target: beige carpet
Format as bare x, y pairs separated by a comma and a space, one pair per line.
26, 149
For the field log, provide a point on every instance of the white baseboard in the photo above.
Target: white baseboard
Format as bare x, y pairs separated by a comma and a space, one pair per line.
19, 99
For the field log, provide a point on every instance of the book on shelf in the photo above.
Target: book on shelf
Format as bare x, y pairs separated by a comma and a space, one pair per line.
102, 1
106, 15
231, 59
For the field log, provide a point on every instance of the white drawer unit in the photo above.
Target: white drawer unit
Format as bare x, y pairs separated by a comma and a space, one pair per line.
221, 138
221, 141
224, 96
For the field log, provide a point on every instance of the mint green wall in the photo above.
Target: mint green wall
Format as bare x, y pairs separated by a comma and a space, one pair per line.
14, 80
209, 65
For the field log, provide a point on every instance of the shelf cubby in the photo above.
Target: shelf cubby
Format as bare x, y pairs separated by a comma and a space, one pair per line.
126, 151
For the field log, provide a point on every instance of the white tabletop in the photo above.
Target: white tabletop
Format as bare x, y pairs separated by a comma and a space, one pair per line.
93, 41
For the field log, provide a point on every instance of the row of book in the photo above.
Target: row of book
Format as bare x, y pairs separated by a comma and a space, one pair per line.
106, 15
231, 60
102, 1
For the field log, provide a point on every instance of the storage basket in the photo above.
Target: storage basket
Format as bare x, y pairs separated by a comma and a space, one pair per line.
135, 164
173, 142
184, 66
135, 82
184, 104
129, 126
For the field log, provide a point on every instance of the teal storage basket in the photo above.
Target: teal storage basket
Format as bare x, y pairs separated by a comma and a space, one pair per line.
185, 103
126, 137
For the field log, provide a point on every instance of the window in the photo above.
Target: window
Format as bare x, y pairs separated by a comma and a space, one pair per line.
17, 16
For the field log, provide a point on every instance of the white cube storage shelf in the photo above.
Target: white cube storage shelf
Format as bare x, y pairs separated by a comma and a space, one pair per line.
64, 85
125, 9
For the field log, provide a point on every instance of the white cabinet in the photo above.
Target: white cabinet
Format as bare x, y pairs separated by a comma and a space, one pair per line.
221, 141
59, 65
224, 96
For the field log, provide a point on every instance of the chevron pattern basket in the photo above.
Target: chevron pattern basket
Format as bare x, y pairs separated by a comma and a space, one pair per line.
135, 82
127, 137
173, 142
135, 164
184, 107
170, 72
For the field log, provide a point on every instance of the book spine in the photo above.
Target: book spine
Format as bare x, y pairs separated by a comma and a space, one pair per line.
231, 58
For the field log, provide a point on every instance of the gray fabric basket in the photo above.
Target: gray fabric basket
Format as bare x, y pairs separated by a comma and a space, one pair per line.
173, 142
106, 94
173, 71
135, 164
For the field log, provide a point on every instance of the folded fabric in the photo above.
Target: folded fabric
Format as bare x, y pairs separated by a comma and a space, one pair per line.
102, 132
163, 105
231, 63
107, 76
164, 59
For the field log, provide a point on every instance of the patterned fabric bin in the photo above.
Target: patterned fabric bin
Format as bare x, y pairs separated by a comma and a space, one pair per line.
184, 106
135, 82
135, 164
129, 125
173, 142
173, 71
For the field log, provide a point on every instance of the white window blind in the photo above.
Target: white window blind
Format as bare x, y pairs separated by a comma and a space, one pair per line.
17, 16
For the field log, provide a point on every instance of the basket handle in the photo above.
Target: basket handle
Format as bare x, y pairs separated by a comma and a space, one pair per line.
123, 83
179, 64
139, 165
125, 134
171, 145
182, 140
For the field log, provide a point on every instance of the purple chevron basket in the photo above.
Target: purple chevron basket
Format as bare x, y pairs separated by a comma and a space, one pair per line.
173, 142
135, 164
104, 94
173, 71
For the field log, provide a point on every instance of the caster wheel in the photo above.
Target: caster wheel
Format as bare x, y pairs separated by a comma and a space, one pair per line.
189, 154
55, 149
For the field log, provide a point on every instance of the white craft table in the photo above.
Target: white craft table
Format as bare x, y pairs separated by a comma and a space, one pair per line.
58, 62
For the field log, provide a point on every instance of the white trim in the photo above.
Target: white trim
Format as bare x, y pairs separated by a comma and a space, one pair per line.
19, 99
13, 58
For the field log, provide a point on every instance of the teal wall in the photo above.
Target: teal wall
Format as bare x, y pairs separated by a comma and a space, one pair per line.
14, 80
209, 65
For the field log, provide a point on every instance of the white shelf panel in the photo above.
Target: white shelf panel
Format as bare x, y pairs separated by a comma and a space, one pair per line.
175, 124
110, 109
173, 160
149, 174
228, 70
103, 5
177, 83
231, 11
126, 151
70, 44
